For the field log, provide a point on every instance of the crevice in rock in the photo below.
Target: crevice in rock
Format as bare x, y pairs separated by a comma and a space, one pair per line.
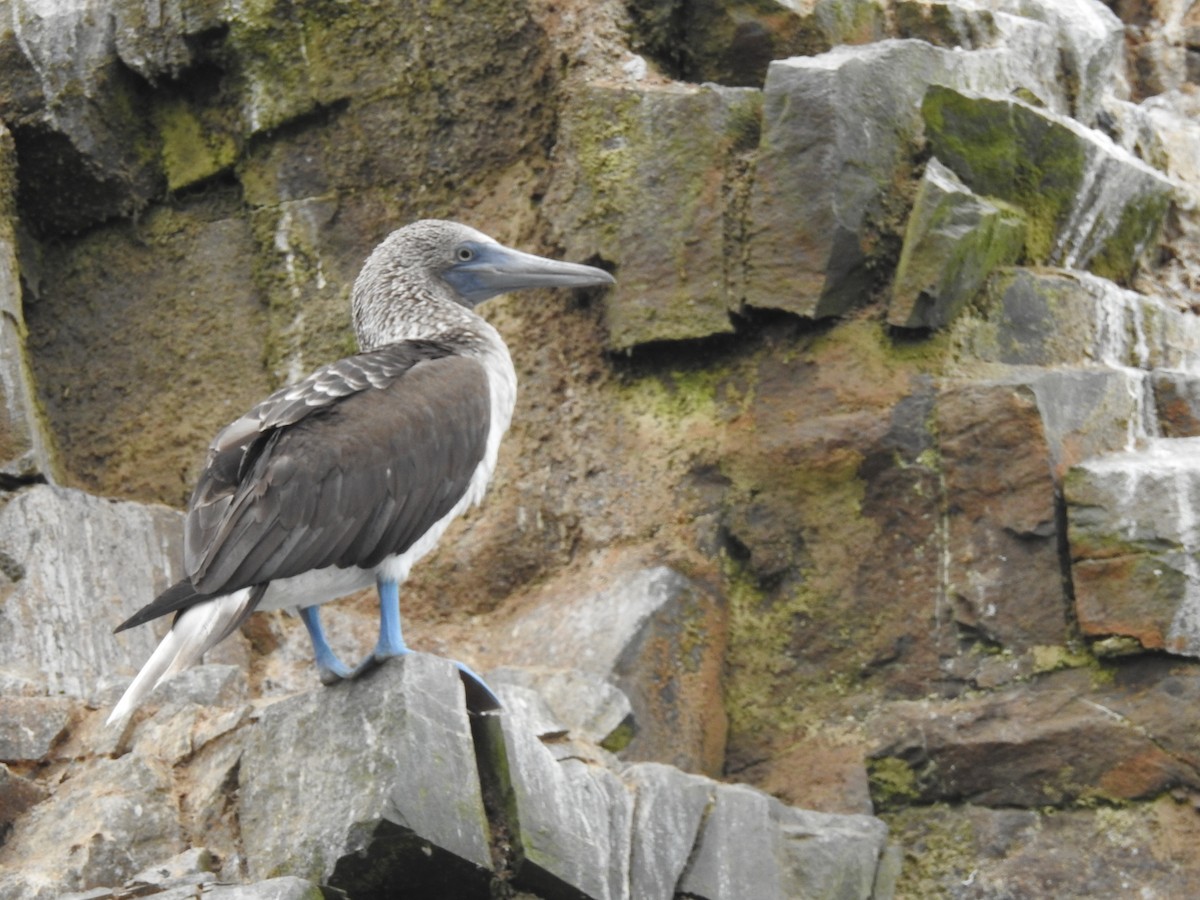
499, 802
10, 482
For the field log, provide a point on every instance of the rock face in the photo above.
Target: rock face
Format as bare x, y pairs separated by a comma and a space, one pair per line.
846, 548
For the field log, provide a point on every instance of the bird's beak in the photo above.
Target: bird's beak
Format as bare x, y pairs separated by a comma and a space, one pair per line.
496, 269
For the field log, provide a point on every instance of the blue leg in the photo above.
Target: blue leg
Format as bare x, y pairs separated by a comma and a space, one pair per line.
480, 697
391, 638
391, 643
331, 669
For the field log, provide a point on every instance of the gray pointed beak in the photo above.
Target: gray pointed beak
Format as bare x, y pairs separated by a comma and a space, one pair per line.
496, 269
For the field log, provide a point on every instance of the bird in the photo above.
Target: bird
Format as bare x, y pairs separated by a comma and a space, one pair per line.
350, 476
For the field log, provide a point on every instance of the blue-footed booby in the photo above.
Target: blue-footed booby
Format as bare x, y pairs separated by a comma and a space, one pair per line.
348, 477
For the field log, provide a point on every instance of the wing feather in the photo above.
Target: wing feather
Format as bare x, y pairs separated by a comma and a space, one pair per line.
359, 477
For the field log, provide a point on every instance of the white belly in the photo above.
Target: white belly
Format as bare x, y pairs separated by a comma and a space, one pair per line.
315, 586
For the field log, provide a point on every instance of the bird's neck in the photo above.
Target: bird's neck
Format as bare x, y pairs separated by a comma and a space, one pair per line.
387, 313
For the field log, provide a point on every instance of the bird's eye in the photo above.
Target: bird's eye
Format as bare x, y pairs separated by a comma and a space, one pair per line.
464, 254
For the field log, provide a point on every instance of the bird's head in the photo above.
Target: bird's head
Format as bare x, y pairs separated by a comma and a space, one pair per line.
433, 260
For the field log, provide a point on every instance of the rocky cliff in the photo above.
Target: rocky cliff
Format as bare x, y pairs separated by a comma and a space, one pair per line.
847, 548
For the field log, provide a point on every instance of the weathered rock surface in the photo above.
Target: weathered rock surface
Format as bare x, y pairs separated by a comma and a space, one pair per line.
630, 154
1090, 205
107, 820
325, 772
75, 567
24, 450
854, 543
657, 636
954, 239
1049, 746
1133, 537
839, 131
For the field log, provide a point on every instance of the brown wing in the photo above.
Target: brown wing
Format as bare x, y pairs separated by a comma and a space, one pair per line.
343, 481
345, 468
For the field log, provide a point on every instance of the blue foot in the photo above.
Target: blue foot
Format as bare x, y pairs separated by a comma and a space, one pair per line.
480, 698
329, 666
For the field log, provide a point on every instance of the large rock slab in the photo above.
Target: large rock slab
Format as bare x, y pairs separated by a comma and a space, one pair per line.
839, 132
1001, 557
1134, 535
655, 833
660, 638
75, 566
1046, 317
573, 817
668, 814
381, 768
1064, 53
953, 241
1047, 745
107, 821
630, 154
1090, 204
85, 157
753, 845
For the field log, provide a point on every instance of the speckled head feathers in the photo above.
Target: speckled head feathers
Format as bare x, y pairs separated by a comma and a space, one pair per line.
426, 278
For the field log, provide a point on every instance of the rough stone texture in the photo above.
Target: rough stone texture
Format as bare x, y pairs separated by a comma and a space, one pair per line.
1090, 205
589, 707
78, 565
839, 131
137, 302
31, 726
1133, 540
657, 636
825, 856
668, 812
285, 888
83, 152
573, 817
732, 42
1050, 746
17, 795
630, 154
1039, 317
107, 820
1177, 403
840, 485
953, 241
1002, 564
324, 771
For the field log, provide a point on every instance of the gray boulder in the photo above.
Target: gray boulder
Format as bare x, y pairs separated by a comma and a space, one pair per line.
953, 241
1043, 317
668, 814
660, 638
572, 818
1090, 204
76, 566
381, 767
1134, 540
630, 155
839, 132
752, 845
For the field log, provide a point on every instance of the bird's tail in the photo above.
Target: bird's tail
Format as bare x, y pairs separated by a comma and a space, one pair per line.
196, 630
